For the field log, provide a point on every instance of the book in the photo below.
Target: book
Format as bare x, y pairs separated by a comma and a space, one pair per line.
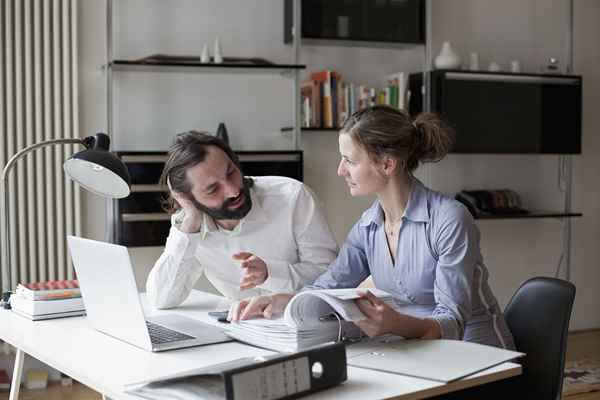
49, 290
310, 318
306, 112
43, 307
328, 105
265, 377
42, 317
397, 84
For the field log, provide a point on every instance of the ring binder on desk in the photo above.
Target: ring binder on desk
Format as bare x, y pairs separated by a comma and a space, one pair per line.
266, 378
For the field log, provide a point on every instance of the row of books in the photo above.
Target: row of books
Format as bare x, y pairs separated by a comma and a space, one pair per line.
50, 299
327, 100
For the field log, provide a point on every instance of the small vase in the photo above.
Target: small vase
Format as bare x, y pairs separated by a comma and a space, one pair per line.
205, 56
217, 54
447, 59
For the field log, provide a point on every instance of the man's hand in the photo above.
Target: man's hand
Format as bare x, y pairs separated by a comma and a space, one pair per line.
270, 306
255, 270
192, 220
380, 316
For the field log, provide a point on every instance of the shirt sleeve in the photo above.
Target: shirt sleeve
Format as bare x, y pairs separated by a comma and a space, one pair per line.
315, 243
350, 267
176, 271
456, 242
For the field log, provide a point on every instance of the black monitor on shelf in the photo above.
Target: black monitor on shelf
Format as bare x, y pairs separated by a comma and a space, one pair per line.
359, 20
506, 113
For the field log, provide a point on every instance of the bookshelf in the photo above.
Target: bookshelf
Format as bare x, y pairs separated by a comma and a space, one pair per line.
143, 216
182, 64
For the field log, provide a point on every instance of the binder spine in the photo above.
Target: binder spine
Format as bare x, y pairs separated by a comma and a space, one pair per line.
288, 376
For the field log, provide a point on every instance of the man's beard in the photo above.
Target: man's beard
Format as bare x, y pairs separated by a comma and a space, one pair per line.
224, 212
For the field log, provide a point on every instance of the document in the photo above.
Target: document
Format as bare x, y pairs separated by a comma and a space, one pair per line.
439, 360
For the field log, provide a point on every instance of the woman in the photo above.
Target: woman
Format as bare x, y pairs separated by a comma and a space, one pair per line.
417, 244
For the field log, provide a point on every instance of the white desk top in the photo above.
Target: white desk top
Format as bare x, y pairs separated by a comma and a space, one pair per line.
106, 364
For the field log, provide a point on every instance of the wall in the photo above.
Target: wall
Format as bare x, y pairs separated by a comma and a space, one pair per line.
153, 107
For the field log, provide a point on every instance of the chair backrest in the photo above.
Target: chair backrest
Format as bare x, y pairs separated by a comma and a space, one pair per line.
538, 316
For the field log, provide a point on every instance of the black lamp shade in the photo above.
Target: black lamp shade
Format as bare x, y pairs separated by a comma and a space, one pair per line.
99, 171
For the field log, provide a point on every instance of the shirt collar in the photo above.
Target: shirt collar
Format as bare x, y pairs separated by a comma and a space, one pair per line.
417, 208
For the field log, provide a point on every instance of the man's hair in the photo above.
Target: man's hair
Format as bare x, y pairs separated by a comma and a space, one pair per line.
188, 150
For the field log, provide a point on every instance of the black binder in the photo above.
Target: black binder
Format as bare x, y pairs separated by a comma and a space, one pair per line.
279, 376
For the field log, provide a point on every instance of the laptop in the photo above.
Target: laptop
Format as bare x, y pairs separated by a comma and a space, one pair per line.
113, 305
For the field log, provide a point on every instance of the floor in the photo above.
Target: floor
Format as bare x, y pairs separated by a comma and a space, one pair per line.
581, 344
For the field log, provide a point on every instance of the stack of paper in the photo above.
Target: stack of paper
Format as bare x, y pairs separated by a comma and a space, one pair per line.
310, 318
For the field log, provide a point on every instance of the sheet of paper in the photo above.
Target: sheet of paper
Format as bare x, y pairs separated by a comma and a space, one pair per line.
438, 360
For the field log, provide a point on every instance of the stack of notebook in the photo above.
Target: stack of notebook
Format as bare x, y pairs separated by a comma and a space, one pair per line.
50, 299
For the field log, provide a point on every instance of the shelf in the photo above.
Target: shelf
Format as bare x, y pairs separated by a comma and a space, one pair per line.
136, 65
289, 128
533, 214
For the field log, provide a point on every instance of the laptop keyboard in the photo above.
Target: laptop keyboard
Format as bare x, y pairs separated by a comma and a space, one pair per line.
159, 334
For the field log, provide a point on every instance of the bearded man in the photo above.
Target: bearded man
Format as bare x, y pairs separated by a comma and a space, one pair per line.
249, 235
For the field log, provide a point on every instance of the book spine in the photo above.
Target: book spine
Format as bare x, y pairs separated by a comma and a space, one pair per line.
334, 100
327, 106
316, 105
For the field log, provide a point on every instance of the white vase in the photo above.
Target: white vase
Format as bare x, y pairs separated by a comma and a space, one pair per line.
217, 54
447, 59
205, 56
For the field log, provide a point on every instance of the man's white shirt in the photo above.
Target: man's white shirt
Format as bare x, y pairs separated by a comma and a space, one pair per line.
285, 228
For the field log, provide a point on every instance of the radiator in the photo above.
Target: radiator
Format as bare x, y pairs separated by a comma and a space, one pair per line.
39, 101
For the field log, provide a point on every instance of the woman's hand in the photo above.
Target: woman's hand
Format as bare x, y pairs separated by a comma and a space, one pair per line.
192, 220
380, 317
270, 306
383, 319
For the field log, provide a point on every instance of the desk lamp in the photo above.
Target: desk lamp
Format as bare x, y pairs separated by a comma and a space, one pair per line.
94, 168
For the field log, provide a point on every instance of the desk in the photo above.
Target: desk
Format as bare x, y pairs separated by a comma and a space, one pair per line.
105, 364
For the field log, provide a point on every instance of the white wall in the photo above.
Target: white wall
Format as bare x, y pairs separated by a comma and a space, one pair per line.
152, 107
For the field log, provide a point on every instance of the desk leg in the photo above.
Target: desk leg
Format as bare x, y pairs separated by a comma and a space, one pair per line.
16, 376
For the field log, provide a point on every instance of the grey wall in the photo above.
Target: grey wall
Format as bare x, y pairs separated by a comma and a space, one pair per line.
153, 107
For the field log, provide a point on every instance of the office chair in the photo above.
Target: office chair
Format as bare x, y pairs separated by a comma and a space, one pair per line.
538, 316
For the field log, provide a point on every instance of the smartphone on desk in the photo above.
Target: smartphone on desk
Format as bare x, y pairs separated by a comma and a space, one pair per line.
220, 316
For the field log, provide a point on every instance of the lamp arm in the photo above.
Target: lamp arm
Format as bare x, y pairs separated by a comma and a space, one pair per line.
34, 146
5, 266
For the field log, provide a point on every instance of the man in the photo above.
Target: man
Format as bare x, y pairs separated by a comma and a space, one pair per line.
250, 236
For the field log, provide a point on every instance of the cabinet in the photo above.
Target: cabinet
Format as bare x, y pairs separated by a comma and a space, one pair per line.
506, 113
381, 21
139, 219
